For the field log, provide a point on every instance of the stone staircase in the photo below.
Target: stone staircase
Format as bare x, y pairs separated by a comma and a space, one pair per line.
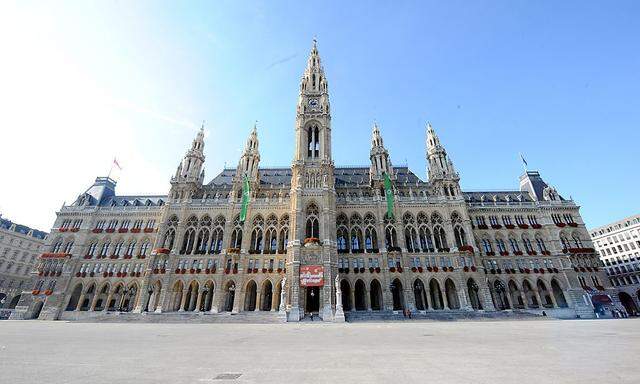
453, 315
258, 317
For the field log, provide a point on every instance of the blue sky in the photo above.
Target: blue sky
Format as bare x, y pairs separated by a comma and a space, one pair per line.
86, 81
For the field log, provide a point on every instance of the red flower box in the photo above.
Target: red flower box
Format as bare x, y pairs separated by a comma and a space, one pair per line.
535, 270
496, 226
110, 230
162, 270
574, 225
313, 240
177, 270
510, 226
414, 269
118, 274
430, 269
527, 270
135, 230
392, 269
163, 251
450, 269
547, 253
532, 253
491, 253
63, 229
226, 271
207, 271
155, 270
192, 270
74, 229
279, 270
541, 270
420, 269
148, 230
435, 269
235, 271
87, 256
83, 274
96, 230
48, 292
35, 292
183, 271
40, 273
270, 270
198, 270
465, 268
473, 268
523, 226
482, 226
505, 253
466, 248
561, 225
518, 253
400, 269
264, 270
123, 230
536, 226
105, 274
92, 274
78, 274
377, 269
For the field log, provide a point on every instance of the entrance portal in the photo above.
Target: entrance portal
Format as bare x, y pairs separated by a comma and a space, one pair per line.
312, 299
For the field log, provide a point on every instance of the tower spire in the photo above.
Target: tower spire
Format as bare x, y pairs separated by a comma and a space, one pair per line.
379, 156
442, 174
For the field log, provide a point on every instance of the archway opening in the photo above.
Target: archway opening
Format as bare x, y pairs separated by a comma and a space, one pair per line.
558, 294
75, 298
229, 297
312, 302
436, 294
250, 296
376, 295
628, 304
452, 294
345, 289
397, 294
267, 296
420, 295
360, 293
474, 297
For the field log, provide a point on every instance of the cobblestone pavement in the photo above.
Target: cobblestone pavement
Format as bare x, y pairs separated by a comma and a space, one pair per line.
574, 351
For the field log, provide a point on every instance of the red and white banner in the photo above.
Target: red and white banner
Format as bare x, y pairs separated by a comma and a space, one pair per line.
311, 276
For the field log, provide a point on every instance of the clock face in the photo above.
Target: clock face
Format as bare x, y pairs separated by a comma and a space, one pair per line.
313, 103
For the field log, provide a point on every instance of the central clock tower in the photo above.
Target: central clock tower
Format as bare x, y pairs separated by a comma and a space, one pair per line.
313, 199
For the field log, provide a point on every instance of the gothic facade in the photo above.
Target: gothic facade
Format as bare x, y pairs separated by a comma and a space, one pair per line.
317, 239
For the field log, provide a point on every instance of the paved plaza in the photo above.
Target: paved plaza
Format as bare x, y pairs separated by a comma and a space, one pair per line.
537, 351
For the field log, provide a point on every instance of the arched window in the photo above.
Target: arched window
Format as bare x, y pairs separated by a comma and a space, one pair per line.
312, 228
341, 239
390, 236
515, 247
56, 247
440, 238
486, 245
460, 236
356, 239
576, 240
144, 249
313, 142
541, 245
215, 247
565, 242
130, 247
370, 239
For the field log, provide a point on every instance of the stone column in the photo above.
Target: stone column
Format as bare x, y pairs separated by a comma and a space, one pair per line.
94, 302
106, 304
367, 298
535, 291
198, 301
352, 299
524, 299
215, 299
427, 293
81, 299
445, 301
183, 300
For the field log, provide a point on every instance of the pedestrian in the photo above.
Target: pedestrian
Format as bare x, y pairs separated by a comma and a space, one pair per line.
409, 312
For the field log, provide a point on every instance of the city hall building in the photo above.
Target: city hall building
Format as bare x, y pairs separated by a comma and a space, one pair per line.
316, 238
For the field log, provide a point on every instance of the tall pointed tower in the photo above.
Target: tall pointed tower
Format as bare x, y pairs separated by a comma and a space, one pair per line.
442, 175
380, 161
190, 174
313, 198
248, 165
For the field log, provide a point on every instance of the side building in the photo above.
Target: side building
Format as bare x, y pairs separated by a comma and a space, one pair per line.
314, 238
618, 245
20, 246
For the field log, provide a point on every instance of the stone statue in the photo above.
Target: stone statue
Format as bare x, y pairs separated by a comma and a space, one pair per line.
282, 290
338, 293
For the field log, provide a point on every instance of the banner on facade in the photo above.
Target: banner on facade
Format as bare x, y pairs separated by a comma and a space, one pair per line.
245, 199
388, 192
311, 276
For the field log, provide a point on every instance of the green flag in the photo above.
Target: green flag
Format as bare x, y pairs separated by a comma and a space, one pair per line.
245, 199
388, 192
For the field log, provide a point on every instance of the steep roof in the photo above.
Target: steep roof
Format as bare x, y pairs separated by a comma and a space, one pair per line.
22, 229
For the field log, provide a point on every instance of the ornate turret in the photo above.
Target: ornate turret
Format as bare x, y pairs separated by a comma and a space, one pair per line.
442, 174
380, 161
249, 161
190, 173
